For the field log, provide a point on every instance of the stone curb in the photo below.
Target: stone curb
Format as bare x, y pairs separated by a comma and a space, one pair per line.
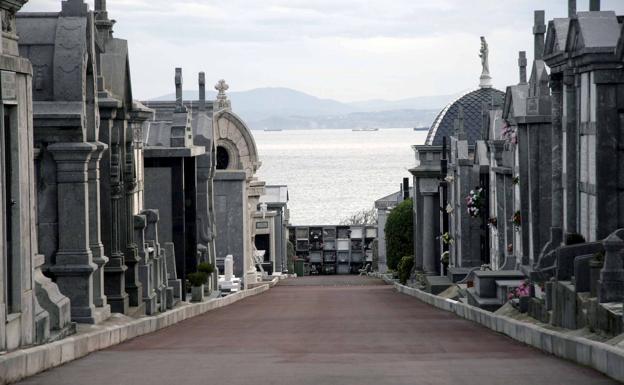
602, 357
20, 364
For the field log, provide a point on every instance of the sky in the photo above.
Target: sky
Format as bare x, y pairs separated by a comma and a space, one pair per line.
347, 50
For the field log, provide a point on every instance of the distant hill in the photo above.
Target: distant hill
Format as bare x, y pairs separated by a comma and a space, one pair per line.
285, 108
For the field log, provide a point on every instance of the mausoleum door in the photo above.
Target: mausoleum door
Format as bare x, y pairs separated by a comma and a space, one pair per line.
10, 208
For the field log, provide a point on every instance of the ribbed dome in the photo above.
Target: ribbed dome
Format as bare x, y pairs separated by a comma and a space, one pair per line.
472, 102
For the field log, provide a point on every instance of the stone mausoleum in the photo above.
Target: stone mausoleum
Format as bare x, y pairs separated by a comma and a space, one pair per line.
529, 183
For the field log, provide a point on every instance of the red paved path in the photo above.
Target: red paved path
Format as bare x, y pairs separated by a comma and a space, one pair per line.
323, 330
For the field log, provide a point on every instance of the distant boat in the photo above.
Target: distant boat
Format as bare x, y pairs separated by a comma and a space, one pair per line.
421, 128
272, 129
365, 129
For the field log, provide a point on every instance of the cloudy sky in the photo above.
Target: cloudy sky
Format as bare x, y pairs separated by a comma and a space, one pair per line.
342, 49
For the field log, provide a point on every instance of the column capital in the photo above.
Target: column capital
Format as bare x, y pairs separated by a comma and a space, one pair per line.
428, 186
72, 160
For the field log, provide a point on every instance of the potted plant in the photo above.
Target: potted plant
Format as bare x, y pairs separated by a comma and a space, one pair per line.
208, 269
197, 280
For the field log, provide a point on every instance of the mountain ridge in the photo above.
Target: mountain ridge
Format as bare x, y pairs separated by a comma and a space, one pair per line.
277, 107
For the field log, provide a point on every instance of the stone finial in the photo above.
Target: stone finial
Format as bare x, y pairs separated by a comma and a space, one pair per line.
539, 29
571, 8
486, 79
202, 91
178, 86
222, 99
522, 64
74, 8
594, 5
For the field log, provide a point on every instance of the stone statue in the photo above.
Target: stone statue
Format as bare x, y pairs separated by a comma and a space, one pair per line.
486, 79
484, 56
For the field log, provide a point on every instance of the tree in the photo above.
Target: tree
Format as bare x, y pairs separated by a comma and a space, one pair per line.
399, 233
362, 217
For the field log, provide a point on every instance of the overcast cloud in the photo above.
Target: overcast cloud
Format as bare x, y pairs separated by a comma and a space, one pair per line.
342, 49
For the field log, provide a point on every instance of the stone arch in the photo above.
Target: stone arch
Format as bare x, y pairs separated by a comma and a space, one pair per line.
233, 135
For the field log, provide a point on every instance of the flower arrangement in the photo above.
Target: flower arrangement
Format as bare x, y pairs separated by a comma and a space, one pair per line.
449, 178
449, 209
521, 291
447, 239
475, 201
515, 180
508, 133
493, 222
516, 219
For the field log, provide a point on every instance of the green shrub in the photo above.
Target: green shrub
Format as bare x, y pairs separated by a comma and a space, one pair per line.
405, 268
399, 233
197, 279
206, 267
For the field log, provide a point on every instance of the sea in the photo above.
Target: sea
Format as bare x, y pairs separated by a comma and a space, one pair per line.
333, 173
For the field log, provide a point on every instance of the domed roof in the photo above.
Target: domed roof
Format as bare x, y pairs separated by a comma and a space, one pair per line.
472, 103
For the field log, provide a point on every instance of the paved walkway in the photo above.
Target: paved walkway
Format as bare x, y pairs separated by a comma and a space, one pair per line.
322, 330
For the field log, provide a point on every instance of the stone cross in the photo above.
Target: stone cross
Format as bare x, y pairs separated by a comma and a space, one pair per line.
100, 5
571, 8
178, 86
522, 64
594, 5
539, 29
202, 91
222, 99
486, 79
74, 8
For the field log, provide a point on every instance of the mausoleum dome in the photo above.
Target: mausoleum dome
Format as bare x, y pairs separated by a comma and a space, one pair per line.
472, 102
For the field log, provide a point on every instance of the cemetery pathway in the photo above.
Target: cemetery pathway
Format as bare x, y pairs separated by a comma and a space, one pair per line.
323, 330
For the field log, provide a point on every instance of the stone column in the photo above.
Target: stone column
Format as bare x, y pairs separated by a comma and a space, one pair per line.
74, 265
428, 189
95, 241
556, 85
569, 157
556, 203
131, 257
116, 268
611, 284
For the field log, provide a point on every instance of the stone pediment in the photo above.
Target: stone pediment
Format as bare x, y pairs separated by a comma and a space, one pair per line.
515, 101
593, 30
556, 36
115, 68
